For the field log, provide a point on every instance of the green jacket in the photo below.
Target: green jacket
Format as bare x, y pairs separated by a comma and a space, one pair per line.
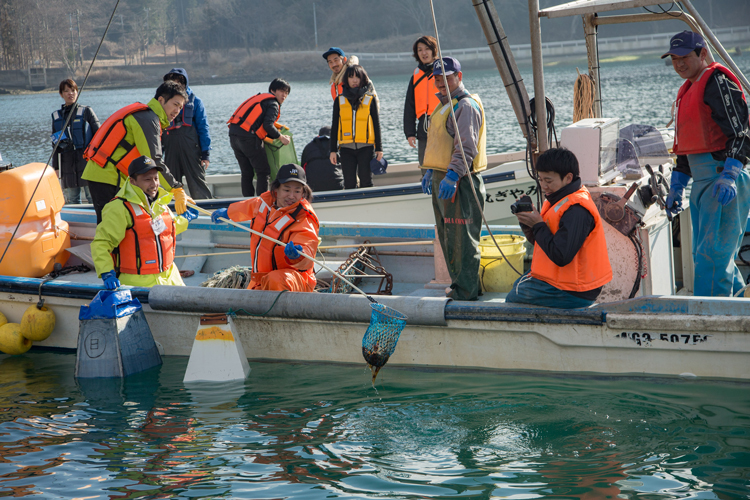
111, 231
144, 130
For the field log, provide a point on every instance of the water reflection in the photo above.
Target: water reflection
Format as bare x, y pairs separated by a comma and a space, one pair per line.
320, 431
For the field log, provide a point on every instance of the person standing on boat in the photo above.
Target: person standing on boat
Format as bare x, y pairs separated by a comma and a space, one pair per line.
421, 95
321, 174
338, 62
457, 215
285, 214
252, 123
129, 133
68, 158
570, 265
134, 244
187, 141
712, 144
355, 132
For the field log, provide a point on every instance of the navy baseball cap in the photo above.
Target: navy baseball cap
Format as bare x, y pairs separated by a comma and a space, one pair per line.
378, 167
684, 43
291, 172
333, 50
141, 165
451, 66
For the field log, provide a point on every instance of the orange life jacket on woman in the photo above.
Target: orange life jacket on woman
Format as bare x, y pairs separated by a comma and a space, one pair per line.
249, 115
695, 130
590, 267
141, 251
110, 136
297, 222
425, 98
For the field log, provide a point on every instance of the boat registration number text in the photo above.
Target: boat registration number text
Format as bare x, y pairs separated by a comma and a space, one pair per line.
672, 338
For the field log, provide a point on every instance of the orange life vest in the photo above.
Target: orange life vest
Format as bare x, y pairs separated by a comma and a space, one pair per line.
336, 90
425, 98
110, 136
250, 112
141, 252
590, 267
695, 130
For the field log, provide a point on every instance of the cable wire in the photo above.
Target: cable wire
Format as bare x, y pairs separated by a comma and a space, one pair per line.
65, 125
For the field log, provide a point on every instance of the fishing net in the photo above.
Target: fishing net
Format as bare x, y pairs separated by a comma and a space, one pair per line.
232, 277
381, 336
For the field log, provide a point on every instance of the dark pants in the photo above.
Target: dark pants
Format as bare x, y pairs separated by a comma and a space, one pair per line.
356, 162
252, 160
182, 154
101, 194
528, 290
459, 225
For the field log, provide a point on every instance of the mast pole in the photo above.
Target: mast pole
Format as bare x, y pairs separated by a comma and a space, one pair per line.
537, 65
592, 51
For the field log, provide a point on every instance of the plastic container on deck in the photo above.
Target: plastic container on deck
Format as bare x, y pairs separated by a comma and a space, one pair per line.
42, 237
495, 275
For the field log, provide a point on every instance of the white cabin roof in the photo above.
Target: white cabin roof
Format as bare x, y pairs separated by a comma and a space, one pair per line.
580, 7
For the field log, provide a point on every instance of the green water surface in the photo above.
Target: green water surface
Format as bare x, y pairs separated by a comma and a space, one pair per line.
318, 431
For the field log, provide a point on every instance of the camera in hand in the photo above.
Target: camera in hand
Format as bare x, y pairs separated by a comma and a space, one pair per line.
523, 204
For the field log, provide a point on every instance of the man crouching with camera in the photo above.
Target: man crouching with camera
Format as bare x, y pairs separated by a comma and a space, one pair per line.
570, 263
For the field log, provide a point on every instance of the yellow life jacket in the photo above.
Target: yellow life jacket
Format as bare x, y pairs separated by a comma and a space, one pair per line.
439, 150
356, 126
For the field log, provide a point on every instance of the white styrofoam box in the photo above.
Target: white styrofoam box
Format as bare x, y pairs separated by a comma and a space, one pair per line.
594, 142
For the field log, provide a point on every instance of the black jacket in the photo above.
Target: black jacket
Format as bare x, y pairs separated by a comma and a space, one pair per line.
575, 226
322, 175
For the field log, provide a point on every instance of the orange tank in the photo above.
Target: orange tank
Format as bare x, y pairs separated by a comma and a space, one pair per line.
42, 236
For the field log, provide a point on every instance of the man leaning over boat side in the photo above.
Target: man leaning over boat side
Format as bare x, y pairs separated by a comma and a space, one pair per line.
712, 144
570, 265
457, 215
109, 155
135, 242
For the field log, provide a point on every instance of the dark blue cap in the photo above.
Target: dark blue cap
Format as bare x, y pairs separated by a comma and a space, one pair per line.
451, 66
684, 43
291, 172
378, 167
333, 50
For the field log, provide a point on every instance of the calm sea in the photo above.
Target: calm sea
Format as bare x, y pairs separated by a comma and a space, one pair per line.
319, 431
635, 92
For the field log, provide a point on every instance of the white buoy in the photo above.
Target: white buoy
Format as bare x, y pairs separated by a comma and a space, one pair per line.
217, 353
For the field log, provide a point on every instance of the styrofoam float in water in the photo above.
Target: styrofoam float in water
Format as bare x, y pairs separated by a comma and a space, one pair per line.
217, 354
114, 339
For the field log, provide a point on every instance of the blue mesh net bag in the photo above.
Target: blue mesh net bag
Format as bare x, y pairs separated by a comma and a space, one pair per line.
381, 336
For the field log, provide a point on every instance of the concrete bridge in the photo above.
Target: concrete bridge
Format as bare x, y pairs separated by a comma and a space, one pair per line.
729, 37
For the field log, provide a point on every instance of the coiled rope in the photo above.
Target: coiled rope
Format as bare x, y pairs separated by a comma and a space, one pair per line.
583, 97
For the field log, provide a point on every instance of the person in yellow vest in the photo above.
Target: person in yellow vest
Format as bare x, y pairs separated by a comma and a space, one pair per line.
134, 243
458, 216
355, 129
570, 263
421, 95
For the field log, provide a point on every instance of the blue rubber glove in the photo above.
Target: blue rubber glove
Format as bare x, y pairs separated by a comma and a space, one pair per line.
222, 212
448, 186
191, 214
427, 182
110, 280
676, 189
292, 251
724, 188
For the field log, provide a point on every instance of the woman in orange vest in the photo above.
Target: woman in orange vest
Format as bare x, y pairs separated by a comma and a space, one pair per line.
421, 95
285, 214
355, 128
570, 265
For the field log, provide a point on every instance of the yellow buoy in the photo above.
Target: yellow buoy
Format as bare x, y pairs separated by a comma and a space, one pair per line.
37, 324
3, 319
11, 340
